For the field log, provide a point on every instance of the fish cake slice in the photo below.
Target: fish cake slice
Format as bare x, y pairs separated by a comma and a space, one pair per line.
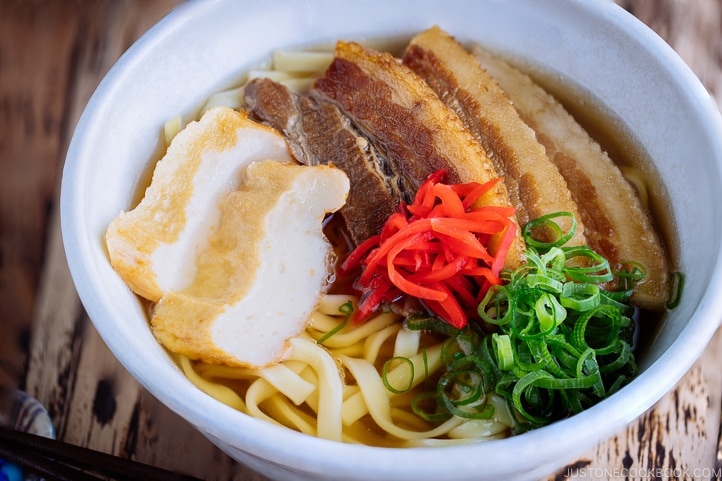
228, 221
150, 244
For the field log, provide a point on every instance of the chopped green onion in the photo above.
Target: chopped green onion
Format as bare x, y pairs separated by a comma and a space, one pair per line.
555, 258
503, 350
617, 300
547, 224
494, 309
630, 273
462, 387
385, 370
677, 287
598, 272
545, 282
580, 297
430, 323
426, 396
598, 329
549, 312
553, 340
346, 309
624, 355
526, 398
563, 340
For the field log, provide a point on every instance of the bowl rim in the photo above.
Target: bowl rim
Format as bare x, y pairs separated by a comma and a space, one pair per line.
645, 388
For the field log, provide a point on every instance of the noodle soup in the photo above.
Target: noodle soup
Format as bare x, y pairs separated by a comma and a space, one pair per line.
201, 49
414, 371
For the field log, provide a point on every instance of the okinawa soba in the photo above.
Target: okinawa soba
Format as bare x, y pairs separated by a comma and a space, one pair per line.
413, 250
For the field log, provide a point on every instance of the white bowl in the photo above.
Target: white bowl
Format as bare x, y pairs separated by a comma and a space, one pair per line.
202, 47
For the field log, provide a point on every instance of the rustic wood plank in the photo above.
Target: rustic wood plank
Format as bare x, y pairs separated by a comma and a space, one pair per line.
92, 399
695, 33
32, 103
58, 326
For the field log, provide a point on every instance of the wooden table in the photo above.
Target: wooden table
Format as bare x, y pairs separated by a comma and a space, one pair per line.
52, 56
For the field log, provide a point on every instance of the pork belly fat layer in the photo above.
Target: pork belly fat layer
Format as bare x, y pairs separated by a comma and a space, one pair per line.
320, 134
535, 186
617, 224
402, 115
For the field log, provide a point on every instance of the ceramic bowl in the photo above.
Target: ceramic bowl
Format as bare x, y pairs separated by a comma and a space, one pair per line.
592, 48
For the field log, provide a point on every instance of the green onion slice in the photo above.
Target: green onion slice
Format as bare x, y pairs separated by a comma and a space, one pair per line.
553, 340
385, 371
580, 297
346, 309
547, 224
503, 350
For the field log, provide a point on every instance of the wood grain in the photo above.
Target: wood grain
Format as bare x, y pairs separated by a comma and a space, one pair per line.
693, 29
91, 398
33, 82
53, 54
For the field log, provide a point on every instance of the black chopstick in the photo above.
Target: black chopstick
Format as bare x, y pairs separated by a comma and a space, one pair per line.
56, 460
49, 469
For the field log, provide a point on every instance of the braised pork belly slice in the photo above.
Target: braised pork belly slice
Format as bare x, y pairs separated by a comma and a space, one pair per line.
617, 224
319, 133
408, 123
534, 183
